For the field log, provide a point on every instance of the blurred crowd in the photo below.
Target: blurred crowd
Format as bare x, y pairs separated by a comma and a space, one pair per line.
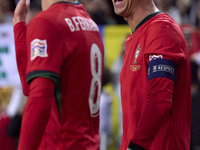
185, 12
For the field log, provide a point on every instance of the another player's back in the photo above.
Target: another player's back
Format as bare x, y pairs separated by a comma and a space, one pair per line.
78, 41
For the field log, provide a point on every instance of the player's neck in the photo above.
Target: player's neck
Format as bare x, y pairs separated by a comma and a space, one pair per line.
47, 3
142, 11
54, 1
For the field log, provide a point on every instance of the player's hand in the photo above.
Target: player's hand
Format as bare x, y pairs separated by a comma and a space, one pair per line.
21, 11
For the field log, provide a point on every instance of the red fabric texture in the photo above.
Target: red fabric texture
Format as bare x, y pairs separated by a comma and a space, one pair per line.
71, 61
21, 54
156, 112
56, 49
6, 142
36, 114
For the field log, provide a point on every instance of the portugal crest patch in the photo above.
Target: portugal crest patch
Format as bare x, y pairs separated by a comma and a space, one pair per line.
38, 48
137, 53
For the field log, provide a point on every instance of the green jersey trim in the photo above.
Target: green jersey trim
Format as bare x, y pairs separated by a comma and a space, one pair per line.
51, 75
148, 17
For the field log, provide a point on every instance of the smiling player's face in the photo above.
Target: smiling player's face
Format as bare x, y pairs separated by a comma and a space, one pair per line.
125, 8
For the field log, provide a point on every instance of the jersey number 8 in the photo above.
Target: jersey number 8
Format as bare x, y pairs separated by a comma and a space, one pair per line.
95, 87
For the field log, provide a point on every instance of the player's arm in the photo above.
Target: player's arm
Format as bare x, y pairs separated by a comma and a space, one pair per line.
20, 41
163, 39
42, 74
158, 104
21, 53
36, 113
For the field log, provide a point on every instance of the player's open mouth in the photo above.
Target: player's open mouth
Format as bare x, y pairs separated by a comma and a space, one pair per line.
118, 1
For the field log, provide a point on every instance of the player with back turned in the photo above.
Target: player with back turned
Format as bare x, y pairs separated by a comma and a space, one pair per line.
60, 55
155, 80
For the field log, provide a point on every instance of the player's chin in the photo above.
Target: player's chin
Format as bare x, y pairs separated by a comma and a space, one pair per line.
120, 12
118, 4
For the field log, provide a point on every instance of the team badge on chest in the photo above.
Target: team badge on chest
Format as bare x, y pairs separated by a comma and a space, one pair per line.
38, 48
136, 67
137, 53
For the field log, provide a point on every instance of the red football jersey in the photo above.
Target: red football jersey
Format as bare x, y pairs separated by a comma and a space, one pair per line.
155, 86
64, 44
7, 142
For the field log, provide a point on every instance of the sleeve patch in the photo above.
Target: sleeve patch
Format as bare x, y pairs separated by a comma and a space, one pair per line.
154, 57
162, 68
38, 48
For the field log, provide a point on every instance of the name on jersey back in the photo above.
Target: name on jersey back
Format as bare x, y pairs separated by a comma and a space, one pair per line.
78, 23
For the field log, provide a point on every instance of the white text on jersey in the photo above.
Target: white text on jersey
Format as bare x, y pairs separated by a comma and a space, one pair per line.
75, 23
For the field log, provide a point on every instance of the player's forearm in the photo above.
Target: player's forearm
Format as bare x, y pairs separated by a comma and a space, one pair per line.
21, 53
34, 122
156, 110
36, 114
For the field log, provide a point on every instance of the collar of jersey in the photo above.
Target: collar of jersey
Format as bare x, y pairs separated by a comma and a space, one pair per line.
148, 17
74, 3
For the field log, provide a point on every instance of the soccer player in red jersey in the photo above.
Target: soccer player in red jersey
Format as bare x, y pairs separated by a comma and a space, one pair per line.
60, 55
155, 80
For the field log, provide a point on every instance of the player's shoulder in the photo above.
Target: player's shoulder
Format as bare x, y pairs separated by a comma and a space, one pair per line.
57, 12
44, 18
44, 15
163, 22
163, 26
39, 16
43, 24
